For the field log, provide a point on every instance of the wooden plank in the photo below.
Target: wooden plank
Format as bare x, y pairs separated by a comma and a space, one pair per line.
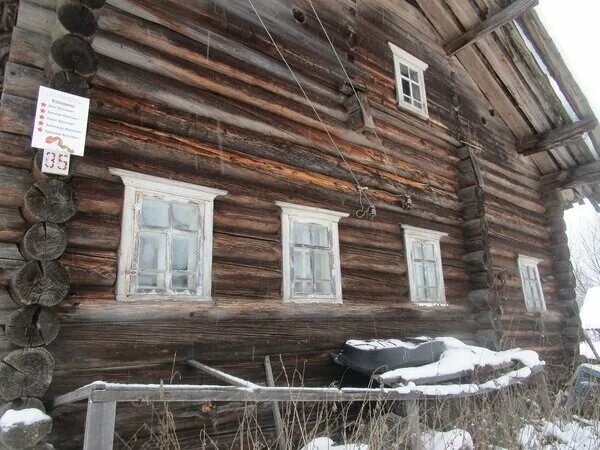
220, 375
414, 425
76, 395
556, 138
490, 24
579, 176
99, 425
281, 438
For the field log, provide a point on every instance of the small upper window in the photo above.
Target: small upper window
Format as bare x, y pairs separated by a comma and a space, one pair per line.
424, 265
166, 238
410, 83
310, 253
530, 282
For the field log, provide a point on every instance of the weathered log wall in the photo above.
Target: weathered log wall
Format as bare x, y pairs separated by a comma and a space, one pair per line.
196, 92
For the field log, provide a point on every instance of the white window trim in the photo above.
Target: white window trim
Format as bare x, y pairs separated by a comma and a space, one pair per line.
313, 215
530, 261
169, 189
411, 233
416, 64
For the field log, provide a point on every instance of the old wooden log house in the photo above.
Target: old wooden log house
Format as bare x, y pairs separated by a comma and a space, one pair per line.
274, 177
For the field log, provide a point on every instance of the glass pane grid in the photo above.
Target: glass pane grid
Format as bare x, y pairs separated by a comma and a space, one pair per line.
168, 247
312, 260
531, 287
411, 86
425, 273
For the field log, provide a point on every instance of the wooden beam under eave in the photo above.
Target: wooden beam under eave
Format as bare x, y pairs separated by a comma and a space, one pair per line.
490, 24
574, 177
558, 137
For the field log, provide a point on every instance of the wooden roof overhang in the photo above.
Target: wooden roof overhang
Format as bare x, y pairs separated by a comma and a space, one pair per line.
512, 59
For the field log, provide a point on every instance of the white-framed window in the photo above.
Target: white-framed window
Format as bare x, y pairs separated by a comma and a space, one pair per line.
310, 254
410, 82
165, 251
531, 284
424, 265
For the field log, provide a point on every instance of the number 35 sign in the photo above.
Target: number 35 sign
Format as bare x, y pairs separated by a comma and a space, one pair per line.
55, 162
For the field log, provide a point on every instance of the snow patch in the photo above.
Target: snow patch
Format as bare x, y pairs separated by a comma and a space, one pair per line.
560, 435
28, 416
456, 439
324, 443
586, 350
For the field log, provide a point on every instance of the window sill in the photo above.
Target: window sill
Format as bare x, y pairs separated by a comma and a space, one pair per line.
430, 305
418, 112
327, 301
153, 298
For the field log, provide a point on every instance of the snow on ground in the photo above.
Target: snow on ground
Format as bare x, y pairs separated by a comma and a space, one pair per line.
586, 350
456, 439
28, 416
560, 435
324, 443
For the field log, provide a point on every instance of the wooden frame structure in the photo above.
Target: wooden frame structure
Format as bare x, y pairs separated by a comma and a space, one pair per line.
103, 397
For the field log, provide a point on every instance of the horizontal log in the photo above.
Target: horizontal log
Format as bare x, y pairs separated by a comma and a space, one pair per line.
26, 373
73, 53
487, 26
559, 137
11, 261
14, 183
49, 201
44, 241
70, 82
40, 283
32, 326
12, 224
571, 178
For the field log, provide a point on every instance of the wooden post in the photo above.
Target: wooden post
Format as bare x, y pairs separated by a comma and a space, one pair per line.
281, 439
414, 431
99, 425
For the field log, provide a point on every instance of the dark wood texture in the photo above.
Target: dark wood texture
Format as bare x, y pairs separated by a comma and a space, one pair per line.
557, 138
508, 14
196, 92
32, 326
44, 241
40, 283
26, 373
49, 200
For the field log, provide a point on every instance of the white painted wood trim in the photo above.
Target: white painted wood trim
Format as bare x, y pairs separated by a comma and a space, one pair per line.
314, 215
406, 58
530, 261
169, 190
166, 186
434, 236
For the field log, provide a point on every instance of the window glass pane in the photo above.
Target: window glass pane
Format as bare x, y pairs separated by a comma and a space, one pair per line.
428, 251
322, 265
419, 274
406, 87
183, 282
431, 274
421, 293
319, 235
302, 263
185, 217
417, 250
416, 92
302, 287
323, 288
301, 233
414, 75
155, 213
403, 70
432, 293
150, 280
184, 252
152, 251
418, 104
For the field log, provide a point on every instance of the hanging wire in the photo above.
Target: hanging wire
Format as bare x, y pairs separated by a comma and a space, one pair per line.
407, 203
361, 190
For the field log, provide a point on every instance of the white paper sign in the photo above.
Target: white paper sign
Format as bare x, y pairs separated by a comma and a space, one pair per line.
60, 121
56, 162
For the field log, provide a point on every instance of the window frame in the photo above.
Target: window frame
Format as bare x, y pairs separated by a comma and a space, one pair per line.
137, 185
290, 213
422, 234
403, 57
530, 261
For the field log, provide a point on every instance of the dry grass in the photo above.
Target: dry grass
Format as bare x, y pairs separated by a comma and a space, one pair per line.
492, 420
